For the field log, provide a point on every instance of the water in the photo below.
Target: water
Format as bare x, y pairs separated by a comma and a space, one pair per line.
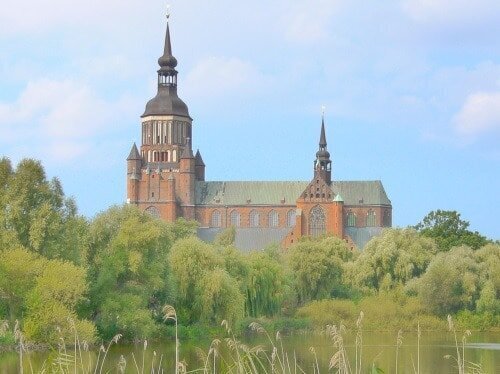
481, 348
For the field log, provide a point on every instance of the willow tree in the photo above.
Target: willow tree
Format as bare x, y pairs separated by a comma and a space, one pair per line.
394, 257
317, 266
267, 285
130, 279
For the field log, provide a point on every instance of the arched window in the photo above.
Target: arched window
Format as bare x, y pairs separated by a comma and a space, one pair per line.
317, 221
387, 218
216, 219
351, 219
235, 218
254, 219
174, 156
153, 211
290, 218
273, 218
370, 219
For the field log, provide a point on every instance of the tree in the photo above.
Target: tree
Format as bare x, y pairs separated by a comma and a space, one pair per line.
267, 285
449, 230
18, 271
220, 298
317, 266
226, 237
394, 257
128, 266
451, 282
190, 259
51, 305
37, 215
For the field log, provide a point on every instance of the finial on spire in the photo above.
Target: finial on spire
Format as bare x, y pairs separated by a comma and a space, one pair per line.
168, 11
323, 111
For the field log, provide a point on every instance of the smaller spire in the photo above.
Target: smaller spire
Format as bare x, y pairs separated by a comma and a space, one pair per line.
167, 61
322, 138
199, 159
134, 153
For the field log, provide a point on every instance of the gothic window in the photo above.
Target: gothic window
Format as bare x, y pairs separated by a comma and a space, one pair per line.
370, 218
290, 218
153, 211
235, 218
387, 218
273, 218
351, 219
254, 219
216, 219
317, 221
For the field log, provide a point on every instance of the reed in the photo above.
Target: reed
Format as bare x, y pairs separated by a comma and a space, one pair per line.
230, 355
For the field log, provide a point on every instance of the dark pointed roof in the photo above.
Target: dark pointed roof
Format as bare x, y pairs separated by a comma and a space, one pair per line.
134, 153
322, 152
166, 101
322, 138
199, 160
167, 61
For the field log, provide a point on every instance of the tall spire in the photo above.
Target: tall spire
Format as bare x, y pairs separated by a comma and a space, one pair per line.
322, 138
166, 102
323, 164
167, 61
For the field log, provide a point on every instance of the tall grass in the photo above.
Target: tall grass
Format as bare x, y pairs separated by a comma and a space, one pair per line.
230, 355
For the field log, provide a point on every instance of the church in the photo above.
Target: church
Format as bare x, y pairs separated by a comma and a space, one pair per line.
167, 180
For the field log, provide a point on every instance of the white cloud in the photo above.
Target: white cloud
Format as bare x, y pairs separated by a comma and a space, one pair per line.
219, 76
451, 11
479, 115
41, 15
309, 21
59, 119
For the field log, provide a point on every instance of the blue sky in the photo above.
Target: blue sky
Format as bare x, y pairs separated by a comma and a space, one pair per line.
411, 89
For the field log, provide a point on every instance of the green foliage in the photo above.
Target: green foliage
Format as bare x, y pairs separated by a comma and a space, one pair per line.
128, 267
37, 215
19, 269
449, 230
226, 237
391, 259
385, 311
317, 266
220, 298
451, 282
267, 285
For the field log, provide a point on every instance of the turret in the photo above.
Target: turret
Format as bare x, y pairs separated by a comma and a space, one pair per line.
134, 165
187, 175
199, 167
323, 164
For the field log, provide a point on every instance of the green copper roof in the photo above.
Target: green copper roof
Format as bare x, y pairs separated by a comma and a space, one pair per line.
338, 198
238, 193
272, 193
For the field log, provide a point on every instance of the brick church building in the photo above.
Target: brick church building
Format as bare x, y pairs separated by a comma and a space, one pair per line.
167, 180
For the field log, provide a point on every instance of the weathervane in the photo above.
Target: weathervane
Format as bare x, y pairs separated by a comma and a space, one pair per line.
168, 11
323, 110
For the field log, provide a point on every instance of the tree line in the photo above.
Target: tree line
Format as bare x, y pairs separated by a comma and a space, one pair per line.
113, 273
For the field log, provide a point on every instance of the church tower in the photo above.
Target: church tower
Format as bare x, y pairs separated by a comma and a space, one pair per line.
161, 175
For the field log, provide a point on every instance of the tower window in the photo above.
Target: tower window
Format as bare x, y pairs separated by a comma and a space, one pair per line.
387, 218
254, 219
317, 222
235, 218
370, 219
290, 218
153, 211
273, 218
351, 219
216, 219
